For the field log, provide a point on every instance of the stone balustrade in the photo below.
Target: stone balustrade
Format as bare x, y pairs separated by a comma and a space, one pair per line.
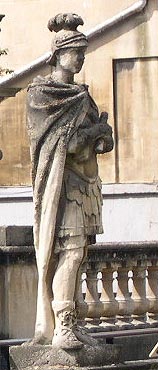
118, 288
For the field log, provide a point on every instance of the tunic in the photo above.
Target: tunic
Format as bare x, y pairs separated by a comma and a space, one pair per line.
61, 124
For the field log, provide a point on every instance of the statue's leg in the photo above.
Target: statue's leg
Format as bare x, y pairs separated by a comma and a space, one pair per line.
53, 263
65, 278
44, 318
64, 292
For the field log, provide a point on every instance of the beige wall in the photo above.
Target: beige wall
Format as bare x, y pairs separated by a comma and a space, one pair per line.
18, 287
136, 37
15, 165
137, 119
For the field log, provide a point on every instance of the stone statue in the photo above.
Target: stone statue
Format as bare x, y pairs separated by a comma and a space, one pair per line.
66, 134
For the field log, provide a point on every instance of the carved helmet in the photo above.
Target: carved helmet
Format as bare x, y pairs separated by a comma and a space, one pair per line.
65, 25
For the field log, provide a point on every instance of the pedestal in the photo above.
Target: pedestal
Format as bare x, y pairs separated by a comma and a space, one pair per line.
38, 357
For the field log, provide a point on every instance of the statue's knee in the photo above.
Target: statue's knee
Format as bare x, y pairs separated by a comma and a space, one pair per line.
75, 256
79, 253
74, 249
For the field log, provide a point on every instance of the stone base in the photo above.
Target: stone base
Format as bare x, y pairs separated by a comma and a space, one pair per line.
38, 357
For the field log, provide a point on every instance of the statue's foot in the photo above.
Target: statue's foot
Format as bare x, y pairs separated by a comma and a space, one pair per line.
66, 339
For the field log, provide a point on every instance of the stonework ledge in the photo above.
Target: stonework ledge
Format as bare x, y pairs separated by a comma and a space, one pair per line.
38, 357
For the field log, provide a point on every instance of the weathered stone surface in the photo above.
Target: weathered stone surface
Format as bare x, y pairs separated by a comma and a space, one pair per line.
36, 357
16, 235
66, 133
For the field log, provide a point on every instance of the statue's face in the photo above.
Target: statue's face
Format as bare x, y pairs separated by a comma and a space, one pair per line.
72, 59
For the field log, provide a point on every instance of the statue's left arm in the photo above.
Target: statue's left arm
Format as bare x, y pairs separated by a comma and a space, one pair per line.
99, 134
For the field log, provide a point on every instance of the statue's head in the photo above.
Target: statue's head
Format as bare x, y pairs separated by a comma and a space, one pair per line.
69, 44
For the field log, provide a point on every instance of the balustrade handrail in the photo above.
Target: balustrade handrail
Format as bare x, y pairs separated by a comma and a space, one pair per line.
119, 245
99, 246
123, 251
98, 252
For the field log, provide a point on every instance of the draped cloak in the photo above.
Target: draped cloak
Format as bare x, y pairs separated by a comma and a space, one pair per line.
55, 111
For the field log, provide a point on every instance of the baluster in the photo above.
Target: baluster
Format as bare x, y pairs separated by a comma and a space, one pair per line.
92, 298
110, 304
139, 296
152, 295
123, 297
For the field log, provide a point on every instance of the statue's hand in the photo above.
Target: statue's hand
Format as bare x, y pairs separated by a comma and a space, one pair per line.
103, 117
99, 136
103, 123
105, 129
95, 132
104, 144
